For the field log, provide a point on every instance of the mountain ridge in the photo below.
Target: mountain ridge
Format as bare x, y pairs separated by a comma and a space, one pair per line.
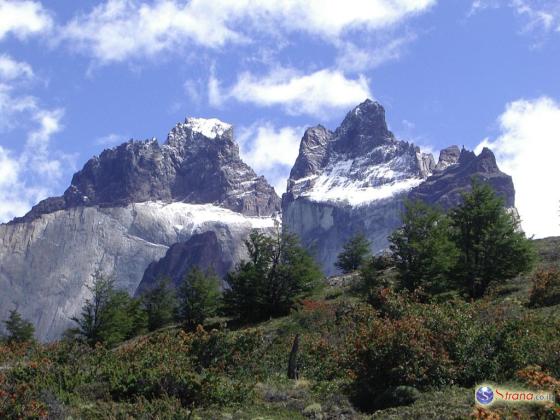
141, 210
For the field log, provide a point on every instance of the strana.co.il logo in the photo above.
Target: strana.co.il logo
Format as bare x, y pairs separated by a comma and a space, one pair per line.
484, 395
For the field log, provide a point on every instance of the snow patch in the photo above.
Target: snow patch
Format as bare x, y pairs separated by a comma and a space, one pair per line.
210, 128
190, 217
357, 182
357, 196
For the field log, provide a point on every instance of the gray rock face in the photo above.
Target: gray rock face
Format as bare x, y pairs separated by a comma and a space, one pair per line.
202, 250
357, 178
447, 157
199, 163
47, 264
124, 210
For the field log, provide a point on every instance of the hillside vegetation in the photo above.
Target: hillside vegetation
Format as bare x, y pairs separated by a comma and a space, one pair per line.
353, 358
407, 335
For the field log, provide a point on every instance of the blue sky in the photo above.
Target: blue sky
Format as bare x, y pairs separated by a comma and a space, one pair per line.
77, 77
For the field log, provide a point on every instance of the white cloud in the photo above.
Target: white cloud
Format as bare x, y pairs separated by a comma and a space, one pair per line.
314, 94
30, 175
36, 156
11, 69
11, 106
23, 18
528, 149
120, 29
539, 15
270, 151
215, 97
354, 58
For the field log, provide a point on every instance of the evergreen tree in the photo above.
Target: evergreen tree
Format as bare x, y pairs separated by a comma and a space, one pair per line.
160, 304
354, 253
423, 251
493, 248
370, 278
91, 319
199, 297
109, 316
19, 330
278, 273
122, 319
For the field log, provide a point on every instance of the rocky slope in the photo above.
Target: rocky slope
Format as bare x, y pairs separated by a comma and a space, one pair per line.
357, 178
123, 211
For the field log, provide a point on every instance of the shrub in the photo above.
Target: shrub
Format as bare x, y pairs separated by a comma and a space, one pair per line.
545, 290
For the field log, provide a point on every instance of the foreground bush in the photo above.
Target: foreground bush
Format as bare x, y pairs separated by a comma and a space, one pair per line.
545, 290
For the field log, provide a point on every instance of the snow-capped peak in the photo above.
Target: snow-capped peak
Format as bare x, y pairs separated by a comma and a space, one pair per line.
211, 127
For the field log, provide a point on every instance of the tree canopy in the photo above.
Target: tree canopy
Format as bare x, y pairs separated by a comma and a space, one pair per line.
354, 253
278, 273
19, 330
199, 297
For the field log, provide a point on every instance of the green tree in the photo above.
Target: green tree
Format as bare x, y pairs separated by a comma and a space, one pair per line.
160, 304
109, 316
123, 318
19, 330
493, 248
278, 273
371, 279
91, 319
354, 253
423, 251
199, 297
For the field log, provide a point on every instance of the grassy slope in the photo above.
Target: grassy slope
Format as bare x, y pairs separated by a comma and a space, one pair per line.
276, 397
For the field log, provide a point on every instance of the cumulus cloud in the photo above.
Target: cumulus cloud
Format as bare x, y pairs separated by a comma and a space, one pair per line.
23, 18
271, 151
528, 148
119, 29
29, 175
313, 94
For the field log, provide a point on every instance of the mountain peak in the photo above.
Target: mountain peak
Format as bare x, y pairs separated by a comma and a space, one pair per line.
362, 129
208, 127
367, 107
